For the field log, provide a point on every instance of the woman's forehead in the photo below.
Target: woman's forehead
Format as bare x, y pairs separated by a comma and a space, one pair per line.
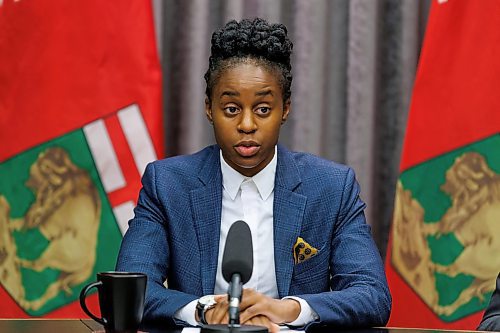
246, 70
246, 75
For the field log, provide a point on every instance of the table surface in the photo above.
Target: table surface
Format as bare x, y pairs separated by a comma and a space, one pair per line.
43, 325
86, 326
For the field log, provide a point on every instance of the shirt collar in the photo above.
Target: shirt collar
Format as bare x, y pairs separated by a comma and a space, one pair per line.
264, 180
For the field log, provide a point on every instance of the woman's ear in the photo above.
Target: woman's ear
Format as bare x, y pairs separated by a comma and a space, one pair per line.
208, 110
287, 107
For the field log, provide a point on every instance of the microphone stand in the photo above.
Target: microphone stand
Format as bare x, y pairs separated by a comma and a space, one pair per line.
234, 296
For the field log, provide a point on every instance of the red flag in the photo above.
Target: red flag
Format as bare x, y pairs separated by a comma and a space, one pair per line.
443, 257
80, 91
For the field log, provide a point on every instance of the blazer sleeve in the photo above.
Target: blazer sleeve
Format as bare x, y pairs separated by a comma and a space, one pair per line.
359, 295
145, 249
491, 318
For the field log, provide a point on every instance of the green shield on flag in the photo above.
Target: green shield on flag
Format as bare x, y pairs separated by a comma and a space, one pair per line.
57, 228
446, 240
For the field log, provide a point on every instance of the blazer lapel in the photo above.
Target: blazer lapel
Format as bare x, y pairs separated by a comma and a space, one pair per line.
289, 208
206, 203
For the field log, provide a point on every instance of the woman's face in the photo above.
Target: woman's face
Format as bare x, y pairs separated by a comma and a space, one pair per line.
247, 111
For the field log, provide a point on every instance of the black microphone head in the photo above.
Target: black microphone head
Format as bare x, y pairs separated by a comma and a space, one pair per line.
238, 252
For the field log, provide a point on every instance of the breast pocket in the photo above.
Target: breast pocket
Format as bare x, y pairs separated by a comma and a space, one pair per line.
314, 268
311, 276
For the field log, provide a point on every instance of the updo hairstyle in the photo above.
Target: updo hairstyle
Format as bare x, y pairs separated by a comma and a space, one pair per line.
251, 41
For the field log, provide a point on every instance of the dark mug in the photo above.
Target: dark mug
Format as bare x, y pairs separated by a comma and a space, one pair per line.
121, 300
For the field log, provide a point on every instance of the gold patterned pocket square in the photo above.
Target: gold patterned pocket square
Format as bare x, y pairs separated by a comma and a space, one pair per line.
303, 251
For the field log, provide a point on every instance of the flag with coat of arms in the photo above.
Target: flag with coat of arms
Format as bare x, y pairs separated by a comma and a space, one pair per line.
80, 117
444, 251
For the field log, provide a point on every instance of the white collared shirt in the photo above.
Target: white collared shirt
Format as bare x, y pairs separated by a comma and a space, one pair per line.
250, 199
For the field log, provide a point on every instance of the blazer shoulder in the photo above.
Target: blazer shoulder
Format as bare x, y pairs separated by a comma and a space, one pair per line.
308, 173
310, 165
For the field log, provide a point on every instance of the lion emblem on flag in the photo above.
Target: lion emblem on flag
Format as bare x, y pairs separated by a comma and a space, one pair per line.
67, 212
473, 219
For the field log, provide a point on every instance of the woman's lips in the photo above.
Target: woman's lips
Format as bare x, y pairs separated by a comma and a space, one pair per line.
247, 151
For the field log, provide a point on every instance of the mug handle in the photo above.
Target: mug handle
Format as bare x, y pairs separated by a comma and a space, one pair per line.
83, 297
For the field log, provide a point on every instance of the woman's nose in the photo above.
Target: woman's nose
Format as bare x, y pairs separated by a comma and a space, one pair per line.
247, 122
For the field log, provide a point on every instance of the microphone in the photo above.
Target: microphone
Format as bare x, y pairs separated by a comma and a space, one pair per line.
237, 265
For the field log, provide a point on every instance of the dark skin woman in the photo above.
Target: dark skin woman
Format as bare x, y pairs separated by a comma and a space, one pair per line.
247, 110
315, 262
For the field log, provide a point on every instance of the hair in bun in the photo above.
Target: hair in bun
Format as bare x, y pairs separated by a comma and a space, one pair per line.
251, 40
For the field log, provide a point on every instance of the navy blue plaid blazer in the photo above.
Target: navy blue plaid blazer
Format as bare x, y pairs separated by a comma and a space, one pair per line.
174, 236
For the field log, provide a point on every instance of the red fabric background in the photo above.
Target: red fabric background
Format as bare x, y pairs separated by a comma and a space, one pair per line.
64, 64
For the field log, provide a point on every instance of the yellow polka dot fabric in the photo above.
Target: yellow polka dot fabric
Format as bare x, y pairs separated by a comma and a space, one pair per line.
303, 251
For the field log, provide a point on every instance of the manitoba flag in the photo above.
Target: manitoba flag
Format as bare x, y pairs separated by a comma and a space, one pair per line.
444, 253
80, 117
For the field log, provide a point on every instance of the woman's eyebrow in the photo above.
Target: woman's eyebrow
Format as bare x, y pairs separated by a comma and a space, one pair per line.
230, 93
264, 93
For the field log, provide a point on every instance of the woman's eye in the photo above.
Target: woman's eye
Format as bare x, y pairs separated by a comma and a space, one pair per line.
263, 110
231, 109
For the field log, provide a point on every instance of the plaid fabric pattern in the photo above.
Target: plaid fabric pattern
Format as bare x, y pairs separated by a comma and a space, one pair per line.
175, 234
